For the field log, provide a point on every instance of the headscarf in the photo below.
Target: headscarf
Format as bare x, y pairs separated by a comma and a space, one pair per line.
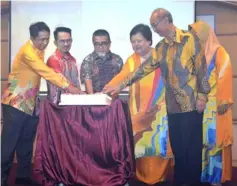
207, 38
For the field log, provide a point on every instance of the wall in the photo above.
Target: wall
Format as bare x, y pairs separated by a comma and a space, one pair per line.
4, 44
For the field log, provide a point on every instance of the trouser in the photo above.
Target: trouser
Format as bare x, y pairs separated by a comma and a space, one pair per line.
185, 131
18, 134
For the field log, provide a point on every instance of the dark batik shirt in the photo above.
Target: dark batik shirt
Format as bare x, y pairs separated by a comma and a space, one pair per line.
100, 69
183, 68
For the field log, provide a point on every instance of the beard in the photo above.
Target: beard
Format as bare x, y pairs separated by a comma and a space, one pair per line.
101, 54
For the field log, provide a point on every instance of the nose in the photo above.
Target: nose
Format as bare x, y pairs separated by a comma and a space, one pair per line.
46, 41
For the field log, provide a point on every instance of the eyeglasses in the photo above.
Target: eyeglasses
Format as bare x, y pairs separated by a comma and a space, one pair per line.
63, 42
101, 44
155, 24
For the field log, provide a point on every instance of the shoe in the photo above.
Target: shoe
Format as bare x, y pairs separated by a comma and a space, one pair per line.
25, 181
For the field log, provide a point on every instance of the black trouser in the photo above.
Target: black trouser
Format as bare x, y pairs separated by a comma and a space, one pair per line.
18, 136
185, 131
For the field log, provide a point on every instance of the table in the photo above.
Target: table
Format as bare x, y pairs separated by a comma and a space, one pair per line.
85, 145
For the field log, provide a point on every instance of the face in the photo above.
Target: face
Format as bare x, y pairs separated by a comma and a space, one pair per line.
159, 25
140, 45
42, 40
64, 42
101, 45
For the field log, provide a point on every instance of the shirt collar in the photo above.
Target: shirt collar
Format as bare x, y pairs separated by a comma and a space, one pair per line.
178, 36
60, 54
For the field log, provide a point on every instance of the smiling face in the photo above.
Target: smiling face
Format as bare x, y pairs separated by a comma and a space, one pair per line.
41, 41
63, 42
140, 45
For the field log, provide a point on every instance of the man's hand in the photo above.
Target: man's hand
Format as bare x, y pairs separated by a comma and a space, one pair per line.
200, 105
145, 119
74, 90
222, 109
112, 90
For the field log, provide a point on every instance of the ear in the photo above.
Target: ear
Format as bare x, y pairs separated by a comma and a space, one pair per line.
55, 42
167, 20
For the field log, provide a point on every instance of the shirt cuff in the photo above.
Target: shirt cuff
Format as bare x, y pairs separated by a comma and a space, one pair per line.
225, 102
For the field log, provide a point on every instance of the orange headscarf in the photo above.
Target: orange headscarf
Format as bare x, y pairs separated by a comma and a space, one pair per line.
207, 38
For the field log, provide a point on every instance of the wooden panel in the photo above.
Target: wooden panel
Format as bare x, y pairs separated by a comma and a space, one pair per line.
4, 4
226, 15
230, 44
4, 26
3, 86
4, 60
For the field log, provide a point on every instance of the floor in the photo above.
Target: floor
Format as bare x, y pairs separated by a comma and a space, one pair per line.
131, 183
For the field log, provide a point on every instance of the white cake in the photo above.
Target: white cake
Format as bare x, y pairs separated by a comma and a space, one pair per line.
85, 99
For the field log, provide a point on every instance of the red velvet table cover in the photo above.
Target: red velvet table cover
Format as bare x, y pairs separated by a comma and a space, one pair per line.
85, 145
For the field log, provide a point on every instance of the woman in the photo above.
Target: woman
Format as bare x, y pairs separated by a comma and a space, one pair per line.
217, 120
149, 120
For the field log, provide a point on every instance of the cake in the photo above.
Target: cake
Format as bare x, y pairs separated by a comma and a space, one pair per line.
85, 99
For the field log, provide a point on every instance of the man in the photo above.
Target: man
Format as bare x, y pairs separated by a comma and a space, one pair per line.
62, 62
18, 103
99, 67
183, 69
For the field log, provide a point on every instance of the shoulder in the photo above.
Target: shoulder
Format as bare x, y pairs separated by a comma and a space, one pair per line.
116, 57
28, 49
72, 59
188, 36
88, 59
52, 59
87, 62
222, 52
160, 44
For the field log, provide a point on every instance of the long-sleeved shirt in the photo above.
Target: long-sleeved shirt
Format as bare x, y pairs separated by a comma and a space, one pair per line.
183, 69
65, 65
24, 79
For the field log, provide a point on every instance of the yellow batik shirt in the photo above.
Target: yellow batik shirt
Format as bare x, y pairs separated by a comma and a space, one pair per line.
24, 79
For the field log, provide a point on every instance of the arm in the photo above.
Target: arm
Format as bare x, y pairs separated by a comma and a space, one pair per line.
33, 60
199, 59
129, 78
143, 70
119, 65
224, 82
86, 76
77, 84
54, 92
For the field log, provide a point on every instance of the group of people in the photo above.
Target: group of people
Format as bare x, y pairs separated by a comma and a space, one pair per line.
180, 98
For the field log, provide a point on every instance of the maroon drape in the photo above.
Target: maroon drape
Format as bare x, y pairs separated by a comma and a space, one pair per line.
85, 145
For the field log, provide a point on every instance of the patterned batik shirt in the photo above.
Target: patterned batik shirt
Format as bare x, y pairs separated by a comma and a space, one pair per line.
100, 69
183, 69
